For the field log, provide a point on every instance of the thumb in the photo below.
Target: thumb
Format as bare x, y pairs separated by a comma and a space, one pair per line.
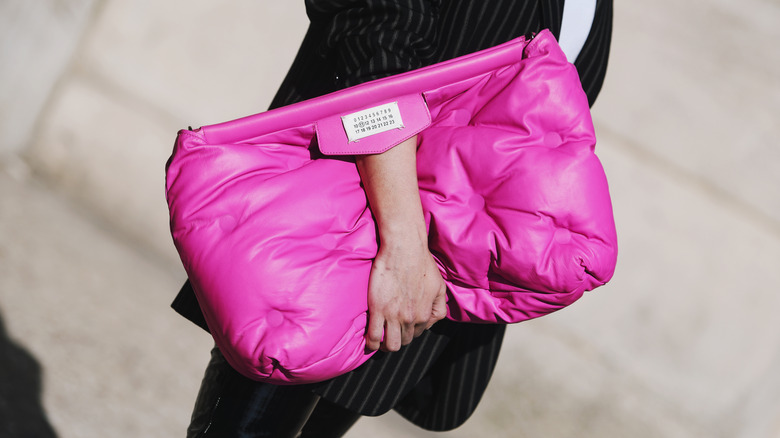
439, 308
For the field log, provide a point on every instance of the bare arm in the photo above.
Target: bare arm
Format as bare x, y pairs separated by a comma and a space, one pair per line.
406, 293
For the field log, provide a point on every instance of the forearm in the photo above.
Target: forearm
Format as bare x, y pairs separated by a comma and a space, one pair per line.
390, 181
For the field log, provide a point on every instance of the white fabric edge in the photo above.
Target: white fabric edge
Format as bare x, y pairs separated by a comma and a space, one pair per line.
575, 27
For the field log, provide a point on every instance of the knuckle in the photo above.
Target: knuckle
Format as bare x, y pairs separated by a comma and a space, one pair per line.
409, 317
375, 334
406, 333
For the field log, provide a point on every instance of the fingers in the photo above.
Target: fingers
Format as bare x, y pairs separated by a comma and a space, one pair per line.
395, 333
398, 334
439, 307
426, 320
392, 340
374, 331
420, 328
403, 301
401, 330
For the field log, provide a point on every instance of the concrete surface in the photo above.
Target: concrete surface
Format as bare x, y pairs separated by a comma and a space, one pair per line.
684, 342
37, 42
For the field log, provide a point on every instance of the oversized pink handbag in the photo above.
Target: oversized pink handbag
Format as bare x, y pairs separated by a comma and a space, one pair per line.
273, 227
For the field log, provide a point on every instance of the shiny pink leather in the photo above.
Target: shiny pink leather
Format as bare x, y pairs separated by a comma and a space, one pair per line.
274, 231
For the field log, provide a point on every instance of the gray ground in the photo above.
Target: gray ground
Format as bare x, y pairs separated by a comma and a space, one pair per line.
683, 342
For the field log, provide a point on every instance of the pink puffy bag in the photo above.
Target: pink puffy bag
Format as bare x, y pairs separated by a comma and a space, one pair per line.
273, 227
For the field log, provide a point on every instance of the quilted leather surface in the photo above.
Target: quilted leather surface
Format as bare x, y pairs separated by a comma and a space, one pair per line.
277, 238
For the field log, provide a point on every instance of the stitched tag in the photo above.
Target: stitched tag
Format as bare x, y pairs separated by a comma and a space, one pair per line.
381, 118
374, 129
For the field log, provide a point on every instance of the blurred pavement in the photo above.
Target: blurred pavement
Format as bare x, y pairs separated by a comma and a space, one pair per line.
684, 342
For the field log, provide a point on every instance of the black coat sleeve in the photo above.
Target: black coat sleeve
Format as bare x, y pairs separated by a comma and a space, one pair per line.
354, 41
371, 39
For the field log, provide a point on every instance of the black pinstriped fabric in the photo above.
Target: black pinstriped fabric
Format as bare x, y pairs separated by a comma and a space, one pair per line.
350, 41
552, 15
437, 381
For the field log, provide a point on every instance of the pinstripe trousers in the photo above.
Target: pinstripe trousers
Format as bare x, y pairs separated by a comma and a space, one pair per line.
437, 381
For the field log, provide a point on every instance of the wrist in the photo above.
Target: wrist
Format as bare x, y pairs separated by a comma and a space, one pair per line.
403, 234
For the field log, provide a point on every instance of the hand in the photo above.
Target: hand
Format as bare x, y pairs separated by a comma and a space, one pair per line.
406, 295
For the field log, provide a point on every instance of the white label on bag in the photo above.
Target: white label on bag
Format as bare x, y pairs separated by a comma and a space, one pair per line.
372, 121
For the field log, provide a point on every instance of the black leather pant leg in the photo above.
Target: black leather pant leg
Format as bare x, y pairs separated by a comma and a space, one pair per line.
329, 420
231, 406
